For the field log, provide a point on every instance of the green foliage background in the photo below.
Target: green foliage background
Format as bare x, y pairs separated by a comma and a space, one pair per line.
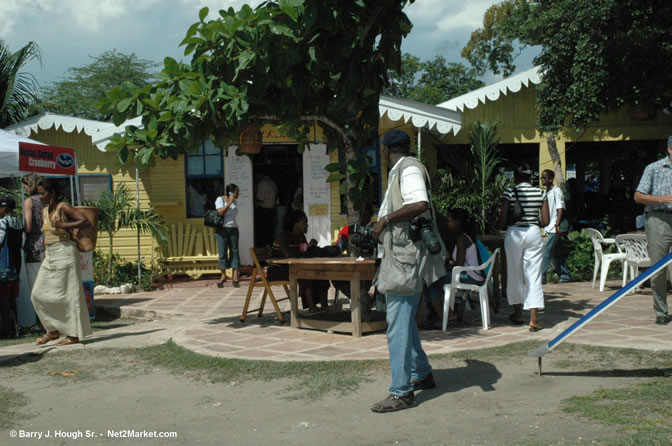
122, 272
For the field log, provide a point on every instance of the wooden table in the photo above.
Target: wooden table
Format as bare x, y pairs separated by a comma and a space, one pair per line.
331, 268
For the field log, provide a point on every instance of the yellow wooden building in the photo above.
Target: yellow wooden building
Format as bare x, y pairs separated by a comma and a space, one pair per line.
168, 187
512, 102
606, 159
611, 143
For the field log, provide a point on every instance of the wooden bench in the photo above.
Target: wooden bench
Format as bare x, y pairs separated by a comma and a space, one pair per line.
190, 249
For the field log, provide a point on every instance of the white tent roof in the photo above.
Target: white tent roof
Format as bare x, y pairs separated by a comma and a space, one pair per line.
9, 153
67, 123
102, 138
493, 91
420, 115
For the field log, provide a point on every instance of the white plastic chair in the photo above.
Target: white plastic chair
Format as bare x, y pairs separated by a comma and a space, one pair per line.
636, 249
450, 289
604, 259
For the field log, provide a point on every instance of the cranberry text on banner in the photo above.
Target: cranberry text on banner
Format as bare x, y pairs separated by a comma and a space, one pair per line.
47, 159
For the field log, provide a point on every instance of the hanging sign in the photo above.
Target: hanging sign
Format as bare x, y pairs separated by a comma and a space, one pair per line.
47, 159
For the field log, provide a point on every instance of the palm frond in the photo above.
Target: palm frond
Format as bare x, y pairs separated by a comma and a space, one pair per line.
18, 91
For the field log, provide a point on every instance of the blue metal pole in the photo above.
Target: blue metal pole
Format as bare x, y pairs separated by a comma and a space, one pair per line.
540, 351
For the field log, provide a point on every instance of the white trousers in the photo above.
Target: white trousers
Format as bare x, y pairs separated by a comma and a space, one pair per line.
524, 256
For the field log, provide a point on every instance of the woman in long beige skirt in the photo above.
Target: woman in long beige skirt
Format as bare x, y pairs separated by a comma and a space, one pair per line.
58, 295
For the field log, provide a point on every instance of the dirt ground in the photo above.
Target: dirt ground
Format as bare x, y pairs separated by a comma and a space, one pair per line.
483, 399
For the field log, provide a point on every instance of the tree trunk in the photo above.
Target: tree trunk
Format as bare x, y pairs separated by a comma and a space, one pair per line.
555, 157
349, 153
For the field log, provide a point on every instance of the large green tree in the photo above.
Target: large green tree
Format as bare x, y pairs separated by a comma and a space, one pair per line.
290, 62
433, 81
594, 56
18, 90
82, 87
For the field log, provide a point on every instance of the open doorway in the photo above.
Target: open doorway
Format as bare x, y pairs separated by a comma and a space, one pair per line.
283, 166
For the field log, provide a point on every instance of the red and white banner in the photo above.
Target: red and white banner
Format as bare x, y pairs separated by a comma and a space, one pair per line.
47, 159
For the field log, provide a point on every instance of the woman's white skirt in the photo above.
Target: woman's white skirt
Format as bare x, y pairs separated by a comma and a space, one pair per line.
58, 295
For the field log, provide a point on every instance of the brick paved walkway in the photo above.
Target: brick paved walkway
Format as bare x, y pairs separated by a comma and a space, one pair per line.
203, 318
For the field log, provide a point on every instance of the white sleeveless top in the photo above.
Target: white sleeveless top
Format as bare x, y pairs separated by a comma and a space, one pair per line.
470, 259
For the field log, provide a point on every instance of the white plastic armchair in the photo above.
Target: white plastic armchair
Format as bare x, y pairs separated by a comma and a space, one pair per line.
450, 289
636, 247
636, 251
604, 259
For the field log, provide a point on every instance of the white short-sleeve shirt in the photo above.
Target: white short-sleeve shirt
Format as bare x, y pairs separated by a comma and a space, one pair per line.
413, 187
231, 213
556, 200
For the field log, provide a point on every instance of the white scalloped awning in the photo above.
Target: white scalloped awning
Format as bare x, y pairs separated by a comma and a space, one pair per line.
420, 115
68, 123
493, 91
102, 138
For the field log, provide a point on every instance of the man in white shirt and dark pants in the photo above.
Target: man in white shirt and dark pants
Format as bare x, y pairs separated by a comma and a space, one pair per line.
554, 253
406, 266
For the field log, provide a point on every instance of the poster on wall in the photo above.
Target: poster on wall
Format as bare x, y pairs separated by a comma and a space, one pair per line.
86, 259
238, 170
317, 194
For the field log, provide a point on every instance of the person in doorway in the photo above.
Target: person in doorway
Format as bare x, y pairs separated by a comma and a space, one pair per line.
58, 294
227, 235
11, 235
197, 198
655, 192
266, 198
554, 250
33, 247
297, 197
406, 265
524, 246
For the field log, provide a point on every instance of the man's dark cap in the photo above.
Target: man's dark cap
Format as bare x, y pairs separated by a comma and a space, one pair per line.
396, 138
669, 141
7, 202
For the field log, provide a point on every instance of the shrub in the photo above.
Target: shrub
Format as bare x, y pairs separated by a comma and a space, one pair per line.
581, 257
472, 181
122, 272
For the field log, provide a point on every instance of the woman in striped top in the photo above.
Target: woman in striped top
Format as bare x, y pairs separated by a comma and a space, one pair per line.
524, 247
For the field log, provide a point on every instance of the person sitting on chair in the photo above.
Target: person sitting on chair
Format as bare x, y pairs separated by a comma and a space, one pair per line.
464, 253
291, 242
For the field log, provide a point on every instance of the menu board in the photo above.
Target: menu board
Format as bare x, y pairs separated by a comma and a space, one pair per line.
238, 170
317, 193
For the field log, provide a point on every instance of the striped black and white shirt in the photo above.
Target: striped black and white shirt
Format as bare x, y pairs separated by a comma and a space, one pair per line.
531, 199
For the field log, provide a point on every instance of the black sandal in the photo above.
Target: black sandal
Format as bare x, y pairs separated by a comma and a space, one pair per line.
515, 321
394, 403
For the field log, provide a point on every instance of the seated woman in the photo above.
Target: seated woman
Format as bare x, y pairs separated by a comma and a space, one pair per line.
288, 244
464, 253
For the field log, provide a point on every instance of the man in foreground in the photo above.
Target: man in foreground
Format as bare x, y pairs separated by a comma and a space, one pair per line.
655, 192
405, 267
